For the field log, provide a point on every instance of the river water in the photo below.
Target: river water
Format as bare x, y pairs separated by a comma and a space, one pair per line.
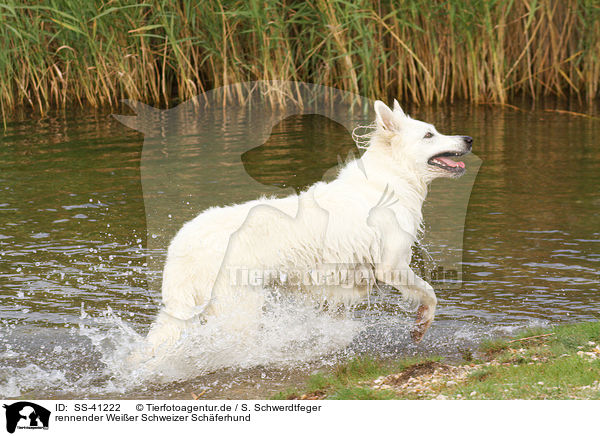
75, 276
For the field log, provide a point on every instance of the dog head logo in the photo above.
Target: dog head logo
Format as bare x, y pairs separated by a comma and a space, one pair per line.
26, 415
221, 146
207, 152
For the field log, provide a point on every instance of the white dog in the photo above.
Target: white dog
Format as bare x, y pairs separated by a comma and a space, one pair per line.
366, 220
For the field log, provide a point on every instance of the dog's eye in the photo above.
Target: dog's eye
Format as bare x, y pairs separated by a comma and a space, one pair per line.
428, 135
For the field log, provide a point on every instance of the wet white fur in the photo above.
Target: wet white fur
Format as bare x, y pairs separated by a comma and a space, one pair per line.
340, 222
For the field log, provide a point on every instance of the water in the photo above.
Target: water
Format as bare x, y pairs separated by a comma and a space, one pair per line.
76, 294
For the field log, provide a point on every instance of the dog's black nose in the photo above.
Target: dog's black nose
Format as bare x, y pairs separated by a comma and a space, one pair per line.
469, 141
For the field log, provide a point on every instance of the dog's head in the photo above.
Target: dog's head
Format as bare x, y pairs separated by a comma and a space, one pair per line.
419, 145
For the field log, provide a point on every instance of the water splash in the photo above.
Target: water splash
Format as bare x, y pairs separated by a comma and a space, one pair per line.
94, 357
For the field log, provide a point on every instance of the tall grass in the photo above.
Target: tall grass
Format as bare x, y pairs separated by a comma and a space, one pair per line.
59, 52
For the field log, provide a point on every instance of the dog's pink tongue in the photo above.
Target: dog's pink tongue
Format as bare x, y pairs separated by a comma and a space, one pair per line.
450, 162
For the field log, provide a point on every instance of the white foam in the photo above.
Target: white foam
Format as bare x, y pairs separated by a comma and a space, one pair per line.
29, 378
288, 334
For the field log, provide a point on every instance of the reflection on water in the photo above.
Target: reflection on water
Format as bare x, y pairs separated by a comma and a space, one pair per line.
74, 266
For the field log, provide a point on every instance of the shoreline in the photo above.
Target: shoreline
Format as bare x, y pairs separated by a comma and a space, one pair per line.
561, 362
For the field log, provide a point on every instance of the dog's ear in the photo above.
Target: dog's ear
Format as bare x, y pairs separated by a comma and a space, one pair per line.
398, 109
385, 118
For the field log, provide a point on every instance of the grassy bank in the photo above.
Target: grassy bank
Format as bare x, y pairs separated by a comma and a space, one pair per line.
60, 52
558, 363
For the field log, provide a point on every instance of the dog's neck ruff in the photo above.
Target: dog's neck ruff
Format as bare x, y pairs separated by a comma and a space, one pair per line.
381, 174
382, 171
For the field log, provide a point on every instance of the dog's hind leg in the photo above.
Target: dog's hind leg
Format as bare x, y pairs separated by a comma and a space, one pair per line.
165, 332
186, 292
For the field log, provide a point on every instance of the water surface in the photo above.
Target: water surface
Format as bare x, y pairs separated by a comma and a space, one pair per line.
74, 270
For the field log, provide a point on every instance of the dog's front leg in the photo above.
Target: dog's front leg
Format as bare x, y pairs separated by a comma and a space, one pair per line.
427, 300
394, 245
414, 288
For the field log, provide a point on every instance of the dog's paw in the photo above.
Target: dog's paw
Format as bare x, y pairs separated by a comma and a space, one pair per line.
422, 323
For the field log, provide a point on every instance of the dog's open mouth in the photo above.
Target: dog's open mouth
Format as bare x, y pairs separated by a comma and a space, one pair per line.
444, 162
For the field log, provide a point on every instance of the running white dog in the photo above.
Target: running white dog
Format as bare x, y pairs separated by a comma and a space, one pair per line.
366, 220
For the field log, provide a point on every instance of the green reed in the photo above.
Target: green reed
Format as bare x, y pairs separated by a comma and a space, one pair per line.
58, 52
